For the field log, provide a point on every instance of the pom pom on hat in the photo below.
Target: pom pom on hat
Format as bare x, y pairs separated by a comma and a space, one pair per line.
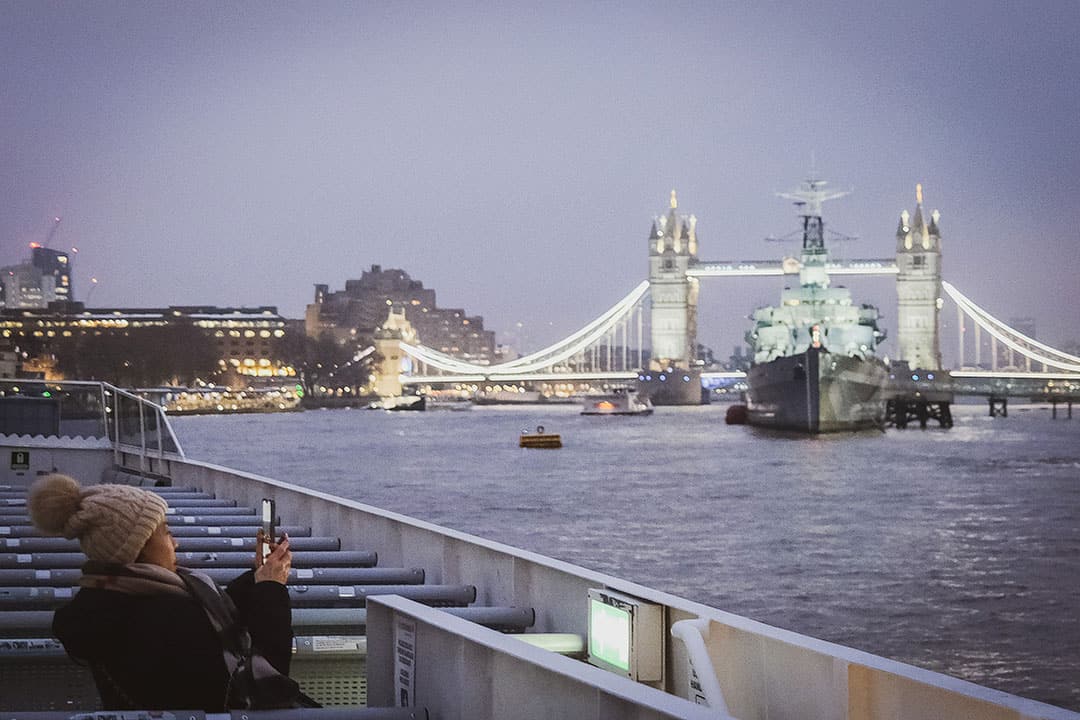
53, 502
112, 522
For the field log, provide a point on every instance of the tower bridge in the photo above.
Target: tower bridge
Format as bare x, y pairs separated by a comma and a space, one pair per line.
612, 348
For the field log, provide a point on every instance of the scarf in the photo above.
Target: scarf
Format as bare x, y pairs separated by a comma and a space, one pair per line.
132, 579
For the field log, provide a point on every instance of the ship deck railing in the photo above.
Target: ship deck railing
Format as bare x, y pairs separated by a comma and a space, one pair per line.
90, 414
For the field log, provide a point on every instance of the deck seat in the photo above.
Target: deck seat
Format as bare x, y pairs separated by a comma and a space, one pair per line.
347, 621
178, 531
185, 544
238, 560
350, 713
69, 577
50, 598
330, 596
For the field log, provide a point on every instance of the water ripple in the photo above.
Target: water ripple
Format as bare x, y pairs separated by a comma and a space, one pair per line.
953, 550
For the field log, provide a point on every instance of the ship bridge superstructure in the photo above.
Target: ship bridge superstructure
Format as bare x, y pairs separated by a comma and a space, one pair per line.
814, 314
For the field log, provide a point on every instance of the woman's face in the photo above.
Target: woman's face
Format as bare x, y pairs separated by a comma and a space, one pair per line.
160, 549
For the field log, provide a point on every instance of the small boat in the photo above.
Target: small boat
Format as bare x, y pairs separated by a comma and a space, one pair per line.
736, 415
451, 405
540, 439
400, 402
621, 401
509, 397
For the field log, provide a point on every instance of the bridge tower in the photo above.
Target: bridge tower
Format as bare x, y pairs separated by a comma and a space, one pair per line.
671, 378
918, 288
393, 360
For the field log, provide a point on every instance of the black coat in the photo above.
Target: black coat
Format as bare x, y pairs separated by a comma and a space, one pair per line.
157, 652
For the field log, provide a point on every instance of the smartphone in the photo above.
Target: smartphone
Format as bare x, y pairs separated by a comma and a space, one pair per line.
268, 515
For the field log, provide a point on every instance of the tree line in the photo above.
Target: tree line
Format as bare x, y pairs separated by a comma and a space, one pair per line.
181, 354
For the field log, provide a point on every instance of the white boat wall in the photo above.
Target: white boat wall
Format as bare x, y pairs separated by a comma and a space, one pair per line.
407, 653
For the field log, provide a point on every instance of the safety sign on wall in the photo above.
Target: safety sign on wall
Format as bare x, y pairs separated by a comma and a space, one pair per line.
20, 459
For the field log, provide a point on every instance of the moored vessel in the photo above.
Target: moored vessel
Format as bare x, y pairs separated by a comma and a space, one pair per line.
814, 364
620, 401
400, 402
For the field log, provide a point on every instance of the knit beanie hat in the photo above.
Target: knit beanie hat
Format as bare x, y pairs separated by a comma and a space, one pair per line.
112, 522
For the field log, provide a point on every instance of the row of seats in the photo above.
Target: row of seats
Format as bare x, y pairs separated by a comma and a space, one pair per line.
299, 714
328, 586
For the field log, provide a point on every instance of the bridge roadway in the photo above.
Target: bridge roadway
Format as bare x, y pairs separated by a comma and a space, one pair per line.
788, 266
496, 377
976, 383
1042, 386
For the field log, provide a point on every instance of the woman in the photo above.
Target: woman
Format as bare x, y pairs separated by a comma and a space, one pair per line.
157, 636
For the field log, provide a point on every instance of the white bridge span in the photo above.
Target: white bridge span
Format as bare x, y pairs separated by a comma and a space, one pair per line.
610, 347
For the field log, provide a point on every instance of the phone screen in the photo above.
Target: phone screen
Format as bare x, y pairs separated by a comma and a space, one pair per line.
267, 525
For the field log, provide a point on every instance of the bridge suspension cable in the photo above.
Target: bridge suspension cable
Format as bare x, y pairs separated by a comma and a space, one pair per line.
541, 359
1013, 339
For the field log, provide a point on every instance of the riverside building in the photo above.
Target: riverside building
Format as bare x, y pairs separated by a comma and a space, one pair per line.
46, 278
352, 315
245, 341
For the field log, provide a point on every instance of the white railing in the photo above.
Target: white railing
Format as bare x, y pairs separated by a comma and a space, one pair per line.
1012, 339
88, 409
541, 359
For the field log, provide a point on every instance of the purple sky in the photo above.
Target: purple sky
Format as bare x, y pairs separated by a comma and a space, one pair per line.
512, 155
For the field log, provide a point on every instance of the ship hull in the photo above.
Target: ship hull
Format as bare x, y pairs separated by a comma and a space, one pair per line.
679, 386
817, 392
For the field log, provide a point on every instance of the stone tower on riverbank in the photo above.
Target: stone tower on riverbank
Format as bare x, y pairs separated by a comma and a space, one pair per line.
918, 287
672, 378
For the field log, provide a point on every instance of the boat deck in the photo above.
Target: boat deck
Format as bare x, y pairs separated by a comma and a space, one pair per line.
390, 610
329, 588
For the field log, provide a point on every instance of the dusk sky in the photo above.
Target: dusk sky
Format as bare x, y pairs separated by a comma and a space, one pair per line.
513, 155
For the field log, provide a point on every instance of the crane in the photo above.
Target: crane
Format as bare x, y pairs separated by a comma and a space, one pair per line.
52, 230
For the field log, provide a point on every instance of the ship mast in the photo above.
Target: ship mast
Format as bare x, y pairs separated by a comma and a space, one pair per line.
808, 198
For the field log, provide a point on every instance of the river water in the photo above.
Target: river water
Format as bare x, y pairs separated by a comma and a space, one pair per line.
954, 550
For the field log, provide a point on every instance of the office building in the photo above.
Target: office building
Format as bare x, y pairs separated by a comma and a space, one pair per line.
353, 315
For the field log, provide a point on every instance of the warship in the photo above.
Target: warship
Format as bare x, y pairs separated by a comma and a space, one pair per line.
814, 365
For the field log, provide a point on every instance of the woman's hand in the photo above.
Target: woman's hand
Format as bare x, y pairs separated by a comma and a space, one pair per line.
276, 565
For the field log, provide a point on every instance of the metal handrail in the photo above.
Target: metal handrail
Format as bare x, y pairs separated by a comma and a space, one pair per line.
112, 401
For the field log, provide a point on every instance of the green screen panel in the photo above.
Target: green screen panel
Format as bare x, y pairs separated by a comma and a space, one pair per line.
609, 634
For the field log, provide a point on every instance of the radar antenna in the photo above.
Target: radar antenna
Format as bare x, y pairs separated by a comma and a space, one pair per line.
809, 197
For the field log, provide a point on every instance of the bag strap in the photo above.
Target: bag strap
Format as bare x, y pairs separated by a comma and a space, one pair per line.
240, 660
235, 640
